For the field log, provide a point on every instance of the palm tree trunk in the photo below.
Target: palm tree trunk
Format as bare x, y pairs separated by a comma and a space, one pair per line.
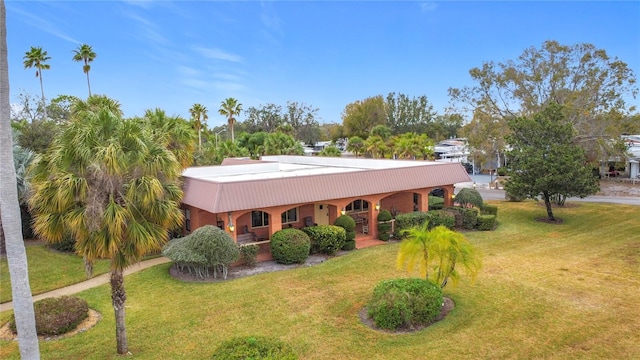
118, 298
199, 139
88, 84
231, 127
3, 246
10, 212
44, 103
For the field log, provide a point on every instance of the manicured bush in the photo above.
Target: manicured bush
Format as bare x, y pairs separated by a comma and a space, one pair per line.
384, 225
349, 245
469, 197
490, 210
502, 171
441, 217
206, 248
348, 224
56, 316
486, 222
290, 246
249, 254
326, 239
254, 348
417, 218
466, 218
404, 303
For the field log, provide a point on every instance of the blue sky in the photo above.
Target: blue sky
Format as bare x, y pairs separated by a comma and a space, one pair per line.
327, 54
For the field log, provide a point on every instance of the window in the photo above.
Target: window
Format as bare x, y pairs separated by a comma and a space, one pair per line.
259, 219
357, 206
187, 221
290, 216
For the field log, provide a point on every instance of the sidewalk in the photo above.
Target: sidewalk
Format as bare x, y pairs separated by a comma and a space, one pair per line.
91, 283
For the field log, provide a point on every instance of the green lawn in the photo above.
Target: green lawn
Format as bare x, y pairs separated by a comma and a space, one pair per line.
546, 291
48, 270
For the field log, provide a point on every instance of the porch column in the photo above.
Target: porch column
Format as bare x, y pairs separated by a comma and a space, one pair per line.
232, 218
275, 220
448, 195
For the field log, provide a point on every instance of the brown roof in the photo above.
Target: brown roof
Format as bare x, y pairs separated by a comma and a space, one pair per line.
218, 197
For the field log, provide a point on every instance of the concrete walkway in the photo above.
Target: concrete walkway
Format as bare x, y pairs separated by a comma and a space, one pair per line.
91, 283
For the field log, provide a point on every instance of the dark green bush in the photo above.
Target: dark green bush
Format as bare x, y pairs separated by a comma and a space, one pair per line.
417, 218
349, 245
290, 246
326, 239
469, 197
466, 218
254, 348
346, 222
441, 217
68, 244
249, 254
502, 171
384, 225
486, 222
490, 210
207, 247
384, 215
404, 303
56, 316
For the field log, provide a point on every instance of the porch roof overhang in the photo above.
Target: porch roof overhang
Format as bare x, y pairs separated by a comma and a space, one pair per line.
291, 180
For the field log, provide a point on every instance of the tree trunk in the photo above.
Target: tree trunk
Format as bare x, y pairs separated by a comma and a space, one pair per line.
547, 203
88, 84
3, 246
10, 213
118, 298
44, 103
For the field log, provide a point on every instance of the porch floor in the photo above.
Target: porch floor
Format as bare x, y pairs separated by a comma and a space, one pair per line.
365, 241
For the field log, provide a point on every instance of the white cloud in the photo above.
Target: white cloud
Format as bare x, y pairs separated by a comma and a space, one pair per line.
428, 6
217, 54
43, 24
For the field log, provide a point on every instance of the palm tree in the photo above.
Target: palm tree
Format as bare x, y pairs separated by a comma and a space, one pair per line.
10, 225
114, 187
174, 133
230, 108
36, 57
85, 54
440, 249
199, 116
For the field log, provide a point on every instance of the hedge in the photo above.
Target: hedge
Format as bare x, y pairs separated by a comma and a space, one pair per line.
486, 222
326, 239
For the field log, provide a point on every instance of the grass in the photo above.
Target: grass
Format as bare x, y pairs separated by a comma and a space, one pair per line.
546, 291
49, 270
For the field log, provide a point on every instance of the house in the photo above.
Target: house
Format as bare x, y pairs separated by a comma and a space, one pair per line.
252, 199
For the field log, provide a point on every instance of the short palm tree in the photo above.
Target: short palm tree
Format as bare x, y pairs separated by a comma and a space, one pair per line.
85, 54
437, 252
230, 108
114, 187
36, 57
199, 116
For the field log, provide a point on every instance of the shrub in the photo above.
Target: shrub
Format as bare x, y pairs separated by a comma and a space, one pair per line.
465, 218
249, 254
417, 218
486, 222
467, 197
348, 224
349, 245
326, 239
289, 246
255, 348
206, 248
383, 224
67, 244
404, 303
502, 171
56, 316
490, 210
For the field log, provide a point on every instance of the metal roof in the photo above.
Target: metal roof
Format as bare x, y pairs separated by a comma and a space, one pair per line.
291, 180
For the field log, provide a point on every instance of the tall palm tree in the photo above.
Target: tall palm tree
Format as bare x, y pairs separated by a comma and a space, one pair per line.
114, 187
85, 54
230, 108
10, 226
36, 57
172, 132
199, 116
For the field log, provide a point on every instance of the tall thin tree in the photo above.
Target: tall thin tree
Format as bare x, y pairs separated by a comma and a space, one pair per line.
199, 116
85, 54
36, 57
10, 226
230, 108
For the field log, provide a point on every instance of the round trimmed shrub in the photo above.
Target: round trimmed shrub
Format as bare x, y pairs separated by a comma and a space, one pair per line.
404, 303
326, 239
384, 216
349, 245
290, 246
56, 316
254, 348
348, 224
468, 197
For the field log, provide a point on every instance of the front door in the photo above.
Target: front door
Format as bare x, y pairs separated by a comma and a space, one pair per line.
321, 214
